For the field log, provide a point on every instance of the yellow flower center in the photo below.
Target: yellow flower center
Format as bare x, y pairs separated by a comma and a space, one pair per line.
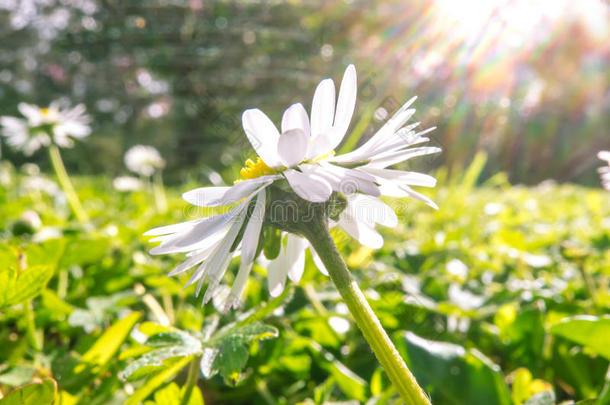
44, 111
252, 170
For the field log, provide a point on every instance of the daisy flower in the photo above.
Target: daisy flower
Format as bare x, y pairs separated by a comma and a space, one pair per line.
604, 172
56, 124
144, 160
127, 183
300, 158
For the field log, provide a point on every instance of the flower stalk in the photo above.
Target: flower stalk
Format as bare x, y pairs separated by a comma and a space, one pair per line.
311, 221
385, 351
66, 184
159, 192
191, 380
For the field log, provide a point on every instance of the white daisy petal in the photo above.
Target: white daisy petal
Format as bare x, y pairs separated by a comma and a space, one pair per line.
295, 256
352, 180
318, 262
371, 210
168, 243
190, 262
290, 262
218, 196
220, 258
359, 230
31, 112
402, 177
253, 229
292, 147
321, 146
309, 187
163, 230
393, 158
277, 271
263, 135
238, 286
322, 108
345, 105
420, 197
295, 117
201, 231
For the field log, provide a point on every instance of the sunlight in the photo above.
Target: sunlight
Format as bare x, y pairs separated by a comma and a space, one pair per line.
512, 22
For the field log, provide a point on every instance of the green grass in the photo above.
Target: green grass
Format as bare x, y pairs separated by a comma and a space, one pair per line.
479, 297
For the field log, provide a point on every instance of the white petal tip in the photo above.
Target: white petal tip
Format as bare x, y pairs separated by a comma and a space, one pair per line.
276, 291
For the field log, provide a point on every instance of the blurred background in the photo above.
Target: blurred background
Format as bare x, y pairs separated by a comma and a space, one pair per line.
527, 81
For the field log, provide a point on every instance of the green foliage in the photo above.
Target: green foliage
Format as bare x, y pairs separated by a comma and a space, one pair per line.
37, 393
19, 286
484, 298
591, 332
459, 375
221, 351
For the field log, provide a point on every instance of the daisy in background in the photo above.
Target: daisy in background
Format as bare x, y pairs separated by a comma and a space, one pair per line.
127, 183
52, 127
147, 162
56, 124
604, 172
144, 160
300, 158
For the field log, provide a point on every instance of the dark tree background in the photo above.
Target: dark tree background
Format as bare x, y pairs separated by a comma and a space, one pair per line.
178, 74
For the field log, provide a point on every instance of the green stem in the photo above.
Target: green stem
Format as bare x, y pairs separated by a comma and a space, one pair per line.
33, 338
318, 235
191, 380
62, 283
588, 282
66, 185
159, 192
604, 395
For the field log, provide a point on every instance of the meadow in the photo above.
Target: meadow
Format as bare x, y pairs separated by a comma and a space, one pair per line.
457, 254
496, 298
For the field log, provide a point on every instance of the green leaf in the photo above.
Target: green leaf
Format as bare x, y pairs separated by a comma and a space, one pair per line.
46, 253
8, 257
39, 393
231, 359
456, 375
173, 338
83, 251
589, 331
157, 380
171, 394
19, 286
168, 395
152, 361
51, 301
349, 382
225, 352
104, 349
171, 343
17, 375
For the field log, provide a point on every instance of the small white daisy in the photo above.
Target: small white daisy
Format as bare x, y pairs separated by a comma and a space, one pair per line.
303, 156
127, 183
144, 160
604, 172
58, 124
